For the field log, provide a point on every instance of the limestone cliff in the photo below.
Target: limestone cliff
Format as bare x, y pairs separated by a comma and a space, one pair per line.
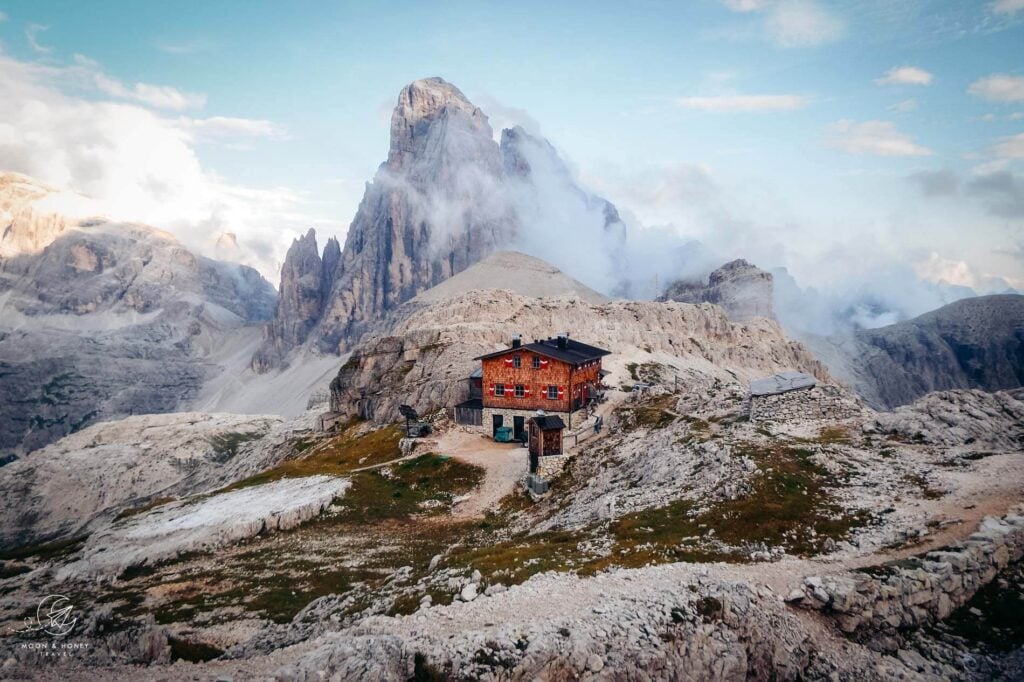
972, 343
103, 319
738, 287
304, 291
432, 210
422, 353
447, 197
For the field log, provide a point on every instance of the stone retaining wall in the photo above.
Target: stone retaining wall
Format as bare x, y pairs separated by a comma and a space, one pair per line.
551, 465
819, 402
875, 603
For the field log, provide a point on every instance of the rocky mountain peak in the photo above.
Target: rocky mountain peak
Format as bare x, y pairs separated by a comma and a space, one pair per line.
447, 197
434, 124
305, 284
742, 289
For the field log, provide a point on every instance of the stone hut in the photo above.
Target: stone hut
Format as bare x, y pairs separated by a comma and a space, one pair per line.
796, 396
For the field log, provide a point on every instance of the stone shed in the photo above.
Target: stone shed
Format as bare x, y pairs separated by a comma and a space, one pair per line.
797, 396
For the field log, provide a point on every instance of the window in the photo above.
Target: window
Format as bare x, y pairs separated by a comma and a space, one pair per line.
520, 390
552, 392
536, 362
499, 389
517, 361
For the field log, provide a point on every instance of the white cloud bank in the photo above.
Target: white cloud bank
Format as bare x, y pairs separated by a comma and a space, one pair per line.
905, 75
742, 103
802, 23
999, 87
139, 165
1010, 7
1011, 147
880, 138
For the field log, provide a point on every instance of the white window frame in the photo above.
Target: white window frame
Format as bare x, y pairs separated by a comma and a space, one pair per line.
517, 361
499, 390
552, 392
519, 391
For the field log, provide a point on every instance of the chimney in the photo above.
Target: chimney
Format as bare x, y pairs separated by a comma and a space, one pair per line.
563, 340
516, 341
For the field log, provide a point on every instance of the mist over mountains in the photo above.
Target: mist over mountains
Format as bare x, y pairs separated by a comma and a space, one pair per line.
449, 194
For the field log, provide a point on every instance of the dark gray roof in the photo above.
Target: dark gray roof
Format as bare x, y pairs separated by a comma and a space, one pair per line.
782, 383
478, 373
575, 352
549, 422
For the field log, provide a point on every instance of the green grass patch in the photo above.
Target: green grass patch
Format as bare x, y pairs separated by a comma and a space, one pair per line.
834, 435
1001, 603
335, 456
398, 493
651, 414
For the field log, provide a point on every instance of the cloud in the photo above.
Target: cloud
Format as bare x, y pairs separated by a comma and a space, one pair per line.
941, 270
1000, 192
742, 103
873, 137
905, 75
500, 115
999, 87
31, 33
746, 5
937, 183
180, 48
157, 96
905, 106
802, 23
1011, 147
218, 127
792, 23
141, 166
1007, 6
1003, 192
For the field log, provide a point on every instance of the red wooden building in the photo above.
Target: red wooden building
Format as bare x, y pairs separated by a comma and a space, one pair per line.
557, 375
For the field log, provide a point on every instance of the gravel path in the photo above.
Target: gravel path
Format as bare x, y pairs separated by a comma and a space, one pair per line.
505, 465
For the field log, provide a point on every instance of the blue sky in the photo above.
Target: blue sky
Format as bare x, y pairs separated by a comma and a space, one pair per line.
766, 126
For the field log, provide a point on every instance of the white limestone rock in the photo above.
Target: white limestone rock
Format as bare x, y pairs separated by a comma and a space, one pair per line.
204, 523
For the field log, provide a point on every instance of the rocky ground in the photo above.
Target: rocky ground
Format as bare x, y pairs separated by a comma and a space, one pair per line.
686, 540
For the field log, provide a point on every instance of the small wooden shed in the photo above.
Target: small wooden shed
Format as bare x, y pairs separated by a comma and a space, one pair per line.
545, 438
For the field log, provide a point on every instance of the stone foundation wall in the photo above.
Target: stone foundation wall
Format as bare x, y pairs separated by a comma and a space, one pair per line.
819, 402
878, 602
550, 466
578, 417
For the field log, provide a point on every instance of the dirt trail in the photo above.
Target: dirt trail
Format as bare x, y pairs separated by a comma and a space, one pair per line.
991, 491
505, 465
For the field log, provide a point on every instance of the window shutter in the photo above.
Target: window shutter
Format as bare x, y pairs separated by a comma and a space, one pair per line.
526, 391
490, 389
561, 392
